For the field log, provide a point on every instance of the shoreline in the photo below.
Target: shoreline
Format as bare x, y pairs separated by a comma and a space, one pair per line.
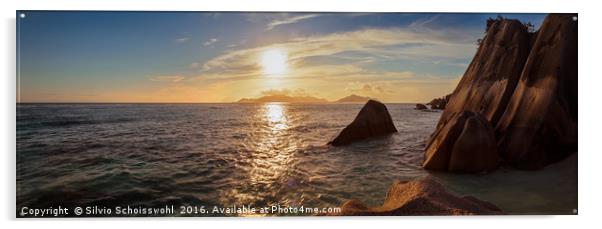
514, 191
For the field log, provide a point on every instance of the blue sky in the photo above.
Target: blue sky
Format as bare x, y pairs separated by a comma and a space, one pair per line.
215, 57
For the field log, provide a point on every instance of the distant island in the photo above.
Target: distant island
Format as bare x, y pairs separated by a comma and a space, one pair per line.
283, 99
301, 99
353, 98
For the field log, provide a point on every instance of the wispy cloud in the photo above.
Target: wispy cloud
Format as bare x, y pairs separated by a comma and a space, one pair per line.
373, 45
210, 42
285, 91
423, 23
364, 88
182, 39
353, 60
289, 20
175, 78
242, 42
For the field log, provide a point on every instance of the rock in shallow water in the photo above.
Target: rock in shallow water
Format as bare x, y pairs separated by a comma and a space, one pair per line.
372, 120
525, 85
421, 197
420, 107
439, 103
465, 143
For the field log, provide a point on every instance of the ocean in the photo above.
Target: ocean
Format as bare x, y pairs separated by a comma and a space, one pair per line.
154, 155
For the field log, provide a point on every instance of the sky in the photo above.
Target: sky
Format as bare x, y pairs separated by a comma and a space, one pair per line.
214, 57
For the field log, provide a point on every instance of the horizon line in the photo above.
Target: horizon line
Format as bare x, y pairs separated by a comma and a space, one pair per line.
333, 102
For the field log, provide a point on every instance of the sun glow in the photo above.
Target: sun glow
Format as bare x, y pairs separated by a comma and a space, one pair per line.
274, 114
274, 62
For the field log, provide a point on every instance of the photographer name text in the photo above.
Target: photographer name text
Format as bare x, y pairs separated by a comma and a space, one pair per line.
172, 210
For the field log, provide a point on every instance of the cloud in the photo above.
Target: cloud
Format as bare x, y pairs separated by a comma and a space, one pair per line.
399, 75
234, 45
368, 61
210, 42
194, 65
289, 20
276, 92
366, 88
423, 23
370, 45
167, 78
284, 91
182, 39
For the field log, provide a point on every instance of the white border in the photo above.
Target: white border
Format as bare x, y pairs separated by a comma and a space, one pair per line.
307, 5
589, 115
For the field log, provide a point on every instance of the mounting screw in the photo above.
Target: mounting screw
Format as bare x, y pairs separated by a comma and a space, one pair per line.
22, 15
574, 18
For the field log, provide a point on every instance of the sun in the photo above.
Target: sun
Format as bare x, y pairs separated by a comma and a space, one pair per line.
274, 62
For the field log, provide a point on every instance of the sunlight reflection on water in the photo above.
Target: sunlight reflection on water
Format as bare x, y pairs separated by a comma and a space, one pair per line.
273, 148
275, 116
210, 154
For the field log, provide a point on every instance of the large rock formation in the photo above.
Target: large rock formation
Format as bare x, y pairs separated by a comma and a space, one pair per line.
465, 143
539, 125
421, 197
372, 120
525, 85
493, 73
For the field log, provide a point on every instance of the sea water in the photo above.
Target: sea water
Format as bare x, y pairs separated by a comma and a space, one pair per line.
153, 155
